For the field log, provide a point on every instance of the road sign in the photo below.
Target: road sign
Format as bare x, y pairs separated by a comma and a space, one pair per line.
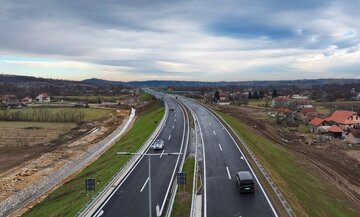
90, 184
181, 178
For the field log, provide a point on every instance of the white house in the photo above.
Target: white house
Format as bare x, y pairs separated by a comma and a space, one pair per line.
43, 97
358, 97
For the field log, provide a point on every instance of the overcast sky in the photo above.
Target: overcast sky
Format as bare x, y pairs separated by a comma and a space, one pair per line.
180, 40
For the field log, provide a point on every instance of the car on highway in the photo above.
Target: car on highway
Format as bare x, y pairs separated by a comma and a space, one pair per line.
245, 182
172, 109
158, 145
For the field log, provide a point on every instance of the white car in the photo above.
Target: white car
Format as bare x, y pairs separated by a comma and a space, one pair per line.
158, 145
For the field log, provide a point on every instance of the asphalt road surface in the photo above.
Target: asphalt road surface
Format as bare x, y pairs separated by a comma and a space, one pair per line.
223, 160
131, 197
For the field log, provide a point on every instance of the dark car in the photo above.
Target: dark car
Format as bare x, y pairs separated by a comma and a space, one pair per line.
158, 145
245, 182
172, 109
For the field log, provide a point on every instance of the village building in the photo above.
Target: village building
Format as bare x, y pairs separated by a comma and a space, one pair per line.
335, 131
280, 101
299, 97
43, 97
26, 100
344, 119
317, 125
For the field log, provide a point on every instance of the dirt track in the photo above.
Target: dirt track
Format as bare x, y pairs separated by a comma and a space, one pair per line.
335, 160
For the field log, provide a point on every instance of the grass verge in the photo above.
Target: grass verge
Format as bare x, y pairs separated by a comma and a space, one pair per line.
182, 204
71, 197
307, 193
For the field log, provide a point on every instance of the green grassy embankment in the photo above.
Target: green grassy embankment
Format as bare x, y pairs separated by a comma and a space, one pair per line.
308, 193
182, 204
71, 197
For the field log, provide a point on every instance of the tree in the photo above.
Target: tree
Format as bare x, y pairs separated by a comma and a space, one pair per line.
274, 93
217, 95
261, 94
256, 95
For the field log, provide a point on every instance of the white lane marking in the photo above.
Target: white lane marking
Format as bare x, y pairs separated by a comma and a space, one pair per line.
101, 213
169, 137
175, 119
227, 169
162, 153
173, 127
209, 123
214, 132
220, 147
175, 115
242, 158
147, 180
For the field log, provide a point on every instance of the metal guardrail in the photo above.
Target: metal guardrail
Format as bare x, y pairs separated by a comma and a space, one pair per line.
273, 186
109, 187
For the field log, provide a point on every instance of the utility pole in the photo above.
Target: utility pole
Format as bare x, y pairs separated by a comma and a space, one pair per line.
149, 160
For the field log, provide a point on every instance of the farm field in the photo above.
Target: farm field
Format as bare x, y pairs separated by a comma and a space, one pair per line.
62, 114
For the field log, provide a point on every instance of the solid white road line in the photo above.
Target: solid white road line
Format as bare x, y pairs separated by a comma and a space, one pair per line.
147, 180
101, 213
220, 147
227, 169
214, 132
162, 153
173, 127
169, 137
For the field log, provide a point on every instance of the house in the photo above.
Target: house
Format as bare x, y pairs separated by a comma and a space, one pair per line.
317, 123
43, 97
280, 101
344, 119
26, 100
300, 104
353, 136
10, 99
358, 97
3, 106
220, 103
297, 96
304, 113
335, 131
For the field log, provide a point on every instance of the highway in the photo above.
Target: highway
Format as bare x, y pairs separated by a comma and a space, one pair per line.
130, 198
222, 159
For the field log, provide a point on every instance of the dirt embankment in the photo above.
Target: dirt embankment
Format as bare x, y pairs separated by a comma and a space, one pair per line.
62, 150
337, 161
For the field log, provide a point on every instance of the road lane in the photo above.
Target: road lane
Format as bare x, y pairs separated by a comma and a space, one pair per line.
131, 197
222, 197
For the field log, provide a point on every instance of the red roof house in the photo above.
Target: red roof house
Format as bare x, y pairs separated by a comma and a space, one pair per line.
344, 119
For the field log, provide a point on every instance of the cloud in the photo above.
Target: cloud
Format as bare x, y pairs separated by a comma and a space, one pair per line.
192, 40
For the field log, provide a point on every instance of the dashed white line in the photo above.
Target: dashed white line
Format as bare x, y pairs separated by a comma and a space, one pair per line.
214, 132
220, 147
147, 180
209, 123
173, 127
169, 137
227, 169
162, 153
175, 119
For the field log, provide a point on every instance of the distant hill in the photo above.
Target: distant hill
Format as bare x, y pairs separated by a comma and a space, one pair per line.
165, 83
